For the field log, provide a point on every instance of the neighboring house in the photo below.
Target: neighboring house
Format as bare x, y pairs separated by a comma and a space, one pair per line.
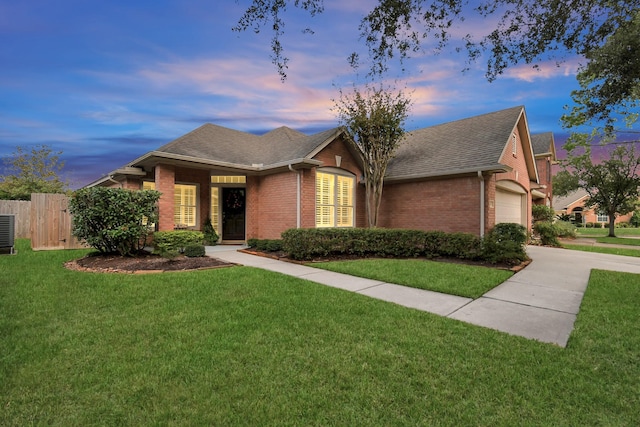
573, 205
462, 176
544, 149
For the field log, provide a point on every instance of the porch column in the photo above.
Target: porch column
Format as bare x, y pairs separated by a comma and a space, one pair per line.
165, 181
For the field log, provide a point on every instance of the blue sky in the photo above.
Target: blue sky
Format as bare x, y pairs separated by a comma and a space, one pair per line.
107, 81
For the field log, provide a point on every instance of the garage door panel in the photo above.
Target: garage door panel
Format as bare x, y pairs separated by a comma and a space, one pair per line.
508, 207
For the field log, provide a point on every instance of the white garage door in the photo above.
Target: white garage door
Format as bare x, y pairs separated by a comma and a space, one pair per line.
508, 207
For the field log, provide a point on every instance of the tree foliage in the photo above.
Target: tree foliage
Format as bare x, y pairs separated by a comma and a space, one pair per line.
374, 119
113, 220
603, 32
32, 171
613, 184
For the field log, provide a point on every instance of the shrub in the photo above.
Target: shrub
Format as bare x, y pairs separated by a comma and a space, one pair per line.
305, 244
194, 251
635, 219
170, 244
589, 225
548, 233
113, 219
565, 229
542, 213
209, 233
268, 245
252, 243
505, 243
578, 224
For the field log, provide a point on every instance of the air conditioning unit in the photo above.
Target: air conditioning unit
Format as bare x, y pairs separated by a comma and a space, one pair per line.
7, 231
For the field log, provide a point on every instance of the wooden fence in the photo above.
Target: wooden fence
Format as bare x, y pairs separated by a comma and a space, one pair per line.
51, 223
22, 211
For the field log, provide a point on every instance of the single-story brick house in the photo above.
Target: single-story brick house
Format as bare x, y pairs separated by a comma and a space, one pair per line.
573, 205
465, 176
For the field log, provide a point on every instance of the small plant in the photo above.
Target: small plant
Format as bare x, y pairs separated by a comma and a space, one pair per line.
635, 219
210, 235
548, 233
542, 213
194, 251
170, 244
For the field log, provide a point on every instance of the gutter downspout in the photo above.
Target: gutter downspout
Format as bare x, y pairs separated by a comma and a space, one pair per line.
298, 207
481, 178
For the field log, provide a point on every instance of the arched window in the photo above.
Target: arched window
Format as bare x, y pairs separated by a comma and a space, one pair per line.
335, 198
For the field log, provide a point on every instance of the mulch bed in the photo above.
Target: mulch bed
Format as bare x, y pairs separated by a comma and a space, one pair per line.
143, 262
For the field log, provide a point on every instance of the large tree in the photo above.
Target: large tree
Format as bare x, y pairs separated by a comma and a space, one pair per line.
32, 171
613, 183
520, 31
374, 118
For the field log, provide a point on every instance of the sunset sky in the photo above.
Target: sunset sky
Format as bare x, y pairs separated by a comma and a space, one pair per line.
105, 82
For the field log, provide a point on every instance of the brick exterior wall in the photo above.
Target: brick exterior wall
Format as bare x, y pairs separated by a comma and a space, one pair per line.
271, 205
519, 173
165, 179
544, 174
450, 205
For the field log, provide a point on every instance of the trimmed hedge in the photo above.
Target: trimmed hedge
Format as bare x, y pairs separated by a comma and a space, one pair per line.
170, 244
504, 245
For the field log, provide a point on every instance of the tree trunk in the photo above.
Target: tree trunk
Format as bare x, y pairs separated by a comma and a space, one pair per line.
612, 224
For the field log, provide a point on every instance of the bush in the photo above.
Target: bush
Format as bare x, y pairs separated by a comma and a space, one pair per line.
548, 233
589, 225
542, 213
194, 251
267, 245
578, 224
635, 219
505, 243
113, 219
170, 244
306, 244
209, 233
565, 229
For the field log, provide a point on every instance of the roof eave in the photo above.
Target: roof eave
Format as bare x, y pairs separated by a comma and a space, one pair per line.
497, 168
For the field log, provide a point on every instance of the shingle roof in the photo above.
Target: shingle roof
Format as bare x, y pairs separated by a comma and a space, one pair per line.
467, 144
560, 203
541, 143
217, 143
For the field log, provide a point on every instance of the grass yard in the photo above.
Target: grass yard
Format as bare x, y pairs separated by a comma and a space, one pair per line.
242, 346
603, 250
455, 279
602, 232
619, 241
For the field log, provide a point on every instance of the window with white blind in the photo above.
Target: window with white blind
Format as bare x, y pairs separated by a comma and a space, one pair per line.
148, 185
215, 208
335, 194
602, 217
184, 204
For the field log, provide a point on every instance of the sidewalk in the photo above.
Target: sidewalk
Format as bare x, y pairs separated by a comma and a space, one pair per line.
540, 302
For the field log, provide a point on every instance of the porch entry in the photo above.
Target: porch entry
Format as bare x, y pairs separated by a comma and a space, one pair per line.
233, 213
228, 202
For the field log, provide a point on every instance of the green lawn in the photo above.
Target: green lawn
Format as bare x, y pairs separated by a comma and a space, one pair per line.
455, 279
603, 250
619, 241
595, 232
241, 346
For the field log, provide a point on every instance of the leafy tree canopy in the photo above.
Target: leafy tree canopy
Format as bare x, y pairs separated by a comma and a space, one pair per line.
374, 118
32, 171
613, 184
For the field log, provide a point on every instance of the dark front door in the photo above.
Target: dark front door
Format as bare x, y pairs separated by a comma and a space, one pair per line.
233, 213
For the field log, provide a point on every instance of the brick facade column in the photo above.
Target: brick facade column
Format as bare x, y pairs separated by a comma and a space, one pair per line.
165, 180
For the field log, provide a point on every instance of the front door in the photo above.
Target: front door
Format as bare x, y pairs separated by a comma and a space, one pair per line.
233, 213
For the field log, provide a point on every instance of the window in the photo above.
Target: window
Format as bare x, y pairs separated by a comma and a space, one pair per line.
602, 218
215, 208
514, 144
184, 204
148, 185
228, 179
334, 200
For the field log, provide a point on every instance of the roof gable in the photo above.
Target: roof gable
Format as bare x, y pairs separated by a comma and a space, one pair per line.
461, 146
543, 144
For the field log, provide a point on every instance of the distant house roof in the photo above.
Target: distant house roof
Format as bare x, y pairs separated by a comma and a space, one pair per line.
564, 202
461, 146
543, 144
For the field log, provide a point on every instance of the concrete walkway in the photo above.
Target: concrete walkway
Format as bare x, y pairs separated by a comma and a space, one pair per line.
540, 302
